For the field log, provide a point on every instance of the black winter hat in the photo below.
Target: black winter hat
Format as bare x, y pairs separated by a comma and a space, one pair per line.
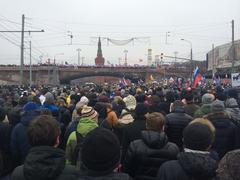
141, 110
101, 150
198, 136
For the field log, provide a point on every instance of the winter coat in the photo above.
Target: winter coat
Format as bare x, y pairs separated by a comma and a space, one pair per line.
190, 108
145, 156
189, 166
84, 126
203, 110
6, 163
234, 111
111, 176
19, 142
175, 124
126, 117
227, 134
45, 163
131, 132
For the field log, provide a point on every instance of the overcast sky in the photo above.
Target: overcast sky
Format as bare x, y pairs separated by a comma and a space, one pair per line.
203, 22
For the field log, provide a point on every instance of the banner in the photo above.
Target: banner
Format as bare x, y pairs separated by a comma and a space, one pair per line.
235, 79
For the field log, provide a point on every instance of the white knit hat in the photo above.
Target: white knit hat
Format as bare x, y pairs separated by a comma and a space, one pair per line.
130, 102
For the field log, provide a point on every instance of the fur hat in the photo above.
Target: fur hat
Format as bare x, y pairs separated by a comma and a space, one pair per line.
88, 112
229, 168
207, 98
231, 103
130, 102
217, 106
198, 136
101, 151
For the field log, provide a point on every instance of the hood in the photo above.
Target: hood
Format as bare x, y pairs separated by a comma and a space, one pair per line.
28, 116
179, 109
196, 165
206, 108
231, 103
44, 163
86, 125
219, 119
154, 139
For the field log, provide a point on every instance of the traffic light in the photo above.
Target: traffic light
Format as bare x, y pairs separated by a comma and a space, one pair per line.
161, 56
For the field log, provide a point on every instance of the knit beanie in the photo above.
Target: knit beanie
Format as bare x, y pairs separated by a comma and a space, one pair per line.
88, 112
130, 102
217, 106
229, 168
231, 103
141, 110
207, 98
198, 136
101, 150
49, 97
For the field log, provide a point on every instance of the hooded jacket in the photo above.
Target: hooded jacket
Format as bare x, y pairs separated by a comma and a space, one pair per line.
144, 156
233, 109
175, 123
45, 163
19, 142
84, 126
203, 110
227, 134
189, 166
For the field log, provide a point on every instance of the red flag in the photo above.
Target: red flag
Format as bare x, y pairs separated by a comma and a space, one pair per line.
197, 79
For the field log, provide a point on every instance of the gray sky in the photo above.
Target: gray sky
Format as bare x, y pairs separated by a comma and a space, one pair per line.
202, 22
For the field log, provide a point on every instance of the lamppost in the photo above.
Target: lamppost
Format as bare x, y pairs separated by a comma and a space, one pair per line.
191, 58
125, 52
78, 50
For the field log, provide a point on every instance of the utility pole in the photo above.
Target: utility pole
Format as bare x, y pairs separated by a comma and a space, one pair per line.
30, 68
213, 61
22, 50
22, 45
233, 48
78, 50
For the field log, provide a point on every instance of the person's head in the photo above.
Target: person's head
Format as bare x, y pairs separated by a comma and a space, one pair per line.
170, 96
101, 151
140, 111
49, 98
109, 107
206, 122
217, 106
177, 105
208, 98
2, 114
155, 121
89, 112
198, 136
130, 102
229, 168
44, 131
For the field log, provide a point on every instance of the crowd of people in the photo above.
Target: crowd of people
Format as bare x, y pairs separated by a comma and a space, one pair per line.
141, 132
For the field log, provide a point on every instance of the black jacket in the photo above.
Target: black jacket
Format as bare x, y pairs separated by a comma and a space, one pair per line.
227, 134
132, 132
144, 156
189, 166
45, 163
6, 163
175, 123
111, 176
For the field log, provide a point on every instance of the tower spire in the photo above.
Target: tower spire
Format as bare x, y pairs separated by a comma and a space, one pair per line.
99, 60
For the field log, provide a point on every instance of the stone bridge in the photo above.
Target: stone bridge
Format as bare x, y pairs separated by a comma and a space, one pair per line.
64, 74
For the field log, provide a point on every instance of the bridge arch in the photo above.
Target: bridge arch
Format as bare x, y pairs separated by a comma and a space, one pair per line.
131, 76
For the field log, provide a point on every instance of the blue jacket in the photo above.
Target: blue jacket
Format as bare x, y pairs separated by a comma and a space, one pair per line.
19, 141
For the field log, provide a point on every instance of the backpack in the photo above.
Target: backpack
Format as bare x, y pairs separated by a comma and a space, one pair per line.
77, 151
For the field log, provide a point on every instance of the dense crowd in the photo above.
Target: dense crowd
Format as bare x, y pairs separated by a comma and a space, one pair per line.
141, 132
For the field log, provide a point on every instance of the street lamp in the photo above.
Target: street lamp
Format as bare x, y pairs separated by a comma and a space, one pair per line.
58, 54
125, 52
78, 50
191, 57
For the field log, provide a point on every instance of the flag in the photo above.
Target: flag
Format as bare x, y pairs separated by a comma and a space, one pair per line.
197, 77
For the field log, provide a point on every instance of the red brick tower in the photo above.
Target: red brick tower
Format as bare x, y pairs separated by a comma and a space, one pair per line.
99, 60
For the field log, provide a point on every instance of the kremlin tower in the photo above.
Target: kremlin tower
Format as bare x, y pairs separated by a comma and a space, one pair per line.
99, 60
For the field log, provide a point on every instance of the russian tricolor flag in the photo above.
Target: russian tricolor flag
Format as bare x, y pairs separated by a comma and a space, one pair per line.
197, 77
